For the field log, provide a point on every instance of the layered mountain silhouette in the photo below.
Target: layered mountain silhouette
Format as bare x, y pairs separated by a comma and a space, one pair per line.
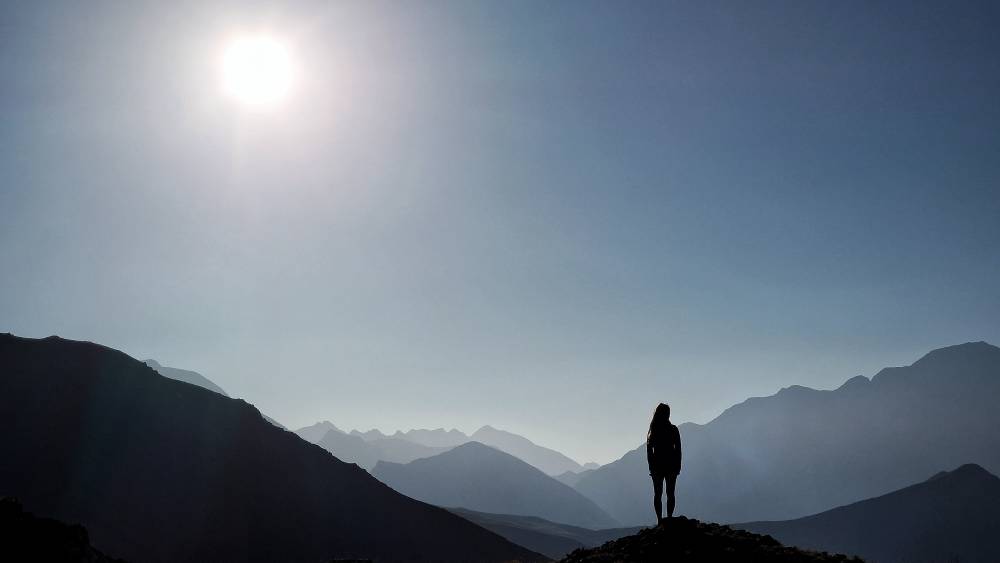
161, 470
366, 453
954, 516
802, 451
683, 540
26, 537
548, 460
316, 432
482, 478
570, 478
195, 378
395, 447
185, 375
543, 536
437, 438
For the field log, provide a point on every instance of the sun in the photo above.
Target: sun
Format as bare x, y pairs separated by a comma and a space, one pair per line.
258, 71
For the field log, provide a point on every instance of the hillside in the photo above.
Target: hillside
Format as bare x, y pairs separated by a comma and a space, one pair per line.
478, 477
185, 375
543, 536
802, 451
315, 433
953, 516
682, 540
26, 537
160, 470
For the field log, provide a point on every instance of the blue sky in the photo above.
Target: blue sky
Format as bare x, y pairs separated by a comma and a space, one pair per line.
544, 216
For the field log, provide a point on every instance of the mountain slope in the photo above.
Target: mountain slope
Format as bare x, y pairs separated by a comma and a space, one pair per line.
159, 470
26, 537
802, 451
187, 376
195, 378
315, 433
482, 478
953, 516
548, 460
682, 540
537, 534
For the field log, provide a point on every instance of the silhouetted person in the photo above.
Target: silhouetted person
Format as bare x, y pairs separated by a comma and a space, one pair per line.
663, 452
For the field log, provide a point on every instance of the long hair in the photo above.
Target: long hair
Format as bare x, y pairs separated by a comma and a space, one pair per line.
661, 420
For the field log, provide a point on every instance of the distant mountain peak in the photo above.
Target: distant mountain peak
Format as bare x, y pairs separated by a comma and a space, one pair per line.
966, 471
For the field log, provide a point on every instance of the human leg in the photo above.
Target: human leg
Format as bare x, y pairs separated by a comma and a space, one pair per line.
671, 485
657, 494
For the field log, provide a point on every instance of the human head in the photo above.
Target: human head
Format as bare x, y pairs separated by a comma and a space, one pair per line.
661, 414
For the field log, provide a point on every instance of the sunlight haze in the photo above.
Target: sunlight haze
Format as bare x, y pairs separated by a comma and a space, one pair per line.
542, 216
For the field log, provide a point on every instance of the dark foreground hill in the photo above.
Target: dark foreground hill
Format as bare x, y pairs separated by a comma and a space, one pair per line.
160, 470
682, 540
802, 451
954, 516
537, 534
482, 478
26, 537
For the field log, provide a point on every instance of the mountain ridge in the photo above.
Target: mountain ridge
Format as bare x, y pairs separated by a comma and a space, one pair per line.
161, 470
952, 516
485, 479
802, 450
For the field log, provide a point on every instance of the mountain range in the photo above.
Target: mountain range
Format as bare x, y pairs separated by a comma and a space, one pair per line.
161, 470
366, 453
365, 448
478, 477
802, 451
953, 516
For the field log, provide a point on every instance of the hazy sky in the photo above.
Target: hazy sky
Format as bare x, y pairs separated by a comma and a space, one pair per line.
543, 216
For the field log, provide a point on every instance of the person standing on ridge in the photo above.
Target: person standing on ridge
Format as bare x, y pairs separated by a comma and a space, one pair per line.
663, 453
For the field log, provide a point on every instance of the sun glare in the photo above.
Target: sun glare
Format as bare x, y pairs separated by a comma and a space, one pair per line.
258, 71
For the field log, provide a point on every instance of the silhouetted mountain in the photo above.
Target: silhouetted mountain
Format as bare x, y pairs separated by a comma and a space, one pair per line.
26, 537
543, 536
315, 433
393, 448
590, 465
682, 540
954, 516
187, 376
439, 438
160, 470
195, 378
549, 461
570, 478
478, 477
366, 453
370, 435
802, 451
